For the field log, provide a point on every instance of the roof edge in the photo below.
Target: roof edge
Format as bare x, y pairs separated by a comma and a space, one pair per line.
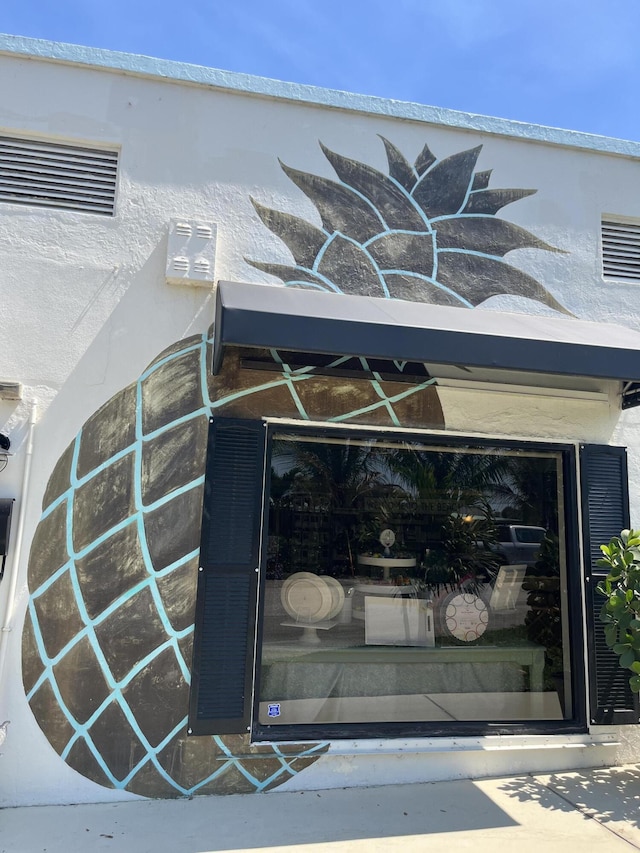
250, 84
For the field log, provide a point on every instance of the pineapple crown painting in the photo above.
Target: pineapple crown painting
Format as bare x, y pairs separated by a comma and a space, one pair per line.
113, 564
425, 233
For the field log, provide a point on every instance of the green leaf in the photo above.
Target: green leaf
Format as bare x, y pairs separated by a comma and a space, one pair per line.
621, 648
634, 683
611, 634
624, 620
627, 659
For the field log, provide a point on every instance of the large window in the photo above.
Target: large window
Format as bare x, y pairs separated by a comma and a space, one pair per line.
412, 583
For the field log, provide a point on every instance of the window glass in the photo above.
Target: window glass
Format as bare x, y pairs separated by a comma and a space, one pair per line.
410, 582
530, 534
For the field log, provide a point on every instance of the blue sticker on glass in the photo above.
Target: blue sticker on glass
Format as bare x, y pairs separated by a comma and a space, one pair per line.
273, 710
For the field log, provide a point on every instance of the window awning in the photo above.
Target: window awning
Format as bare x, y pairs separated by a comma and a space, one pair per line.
253, 315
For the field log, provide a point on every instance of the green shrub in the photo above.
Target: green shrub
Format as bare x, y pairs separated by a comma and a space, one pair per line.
621, 610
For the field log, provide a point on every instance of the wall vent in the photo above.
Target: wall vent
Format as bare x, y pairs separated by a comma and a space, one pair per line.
47, 174
621, 248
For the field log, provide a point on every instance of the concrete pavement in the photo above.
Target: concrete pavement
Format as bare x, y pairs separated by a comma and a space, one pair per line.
599, 809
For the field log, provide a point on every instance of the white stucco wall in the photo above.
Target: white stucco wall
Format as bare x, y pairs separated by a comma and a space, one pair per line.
85, 306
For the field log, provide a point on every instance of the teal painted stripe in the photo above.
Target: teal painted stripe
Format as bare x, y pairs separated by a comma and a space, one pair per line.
428, 232
476, 253
78, 555
238, 764
160, 573
167, 358
312, 285
277, 383
304, 752
290, 378
375, 384
314, 271
78, 482
433, 280
201, 411
204, 375
44, 586
181, 490
383, 402
410, 197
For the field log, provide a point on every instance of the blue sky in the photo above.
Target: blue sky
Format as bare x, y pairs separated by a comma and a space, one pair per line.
565, 63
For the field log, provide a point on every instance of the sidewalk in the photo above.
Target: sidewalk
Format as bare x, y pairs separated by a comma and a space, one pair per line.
598, 809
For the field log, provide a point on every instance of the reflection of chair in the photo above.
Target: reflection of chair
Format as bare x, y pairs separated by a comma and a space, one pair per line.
507, 587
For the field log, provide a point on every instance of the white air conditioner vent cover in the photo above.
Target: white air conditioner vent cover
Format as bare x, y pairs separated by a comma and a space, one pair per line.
47, 174
621, 248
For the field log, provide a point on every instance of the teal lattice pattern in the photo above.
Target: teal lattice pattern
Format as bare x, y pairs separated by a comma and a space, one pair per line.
112, 572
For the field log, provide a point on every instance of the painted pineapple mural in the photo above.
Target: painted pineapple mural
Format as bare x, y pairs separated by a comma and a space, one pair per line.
113, 564
425, 233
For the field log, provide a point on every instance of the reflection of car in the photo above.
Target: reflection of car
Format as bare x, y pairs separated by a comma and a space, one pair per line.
520, 543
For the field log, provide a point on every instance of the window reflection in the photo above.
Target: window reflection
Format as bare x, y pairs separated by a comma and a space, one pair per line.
414, 583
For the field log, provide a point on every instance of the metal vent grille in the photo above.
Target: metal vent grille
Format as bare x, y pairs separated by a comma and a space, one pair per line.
621, 249
47, 174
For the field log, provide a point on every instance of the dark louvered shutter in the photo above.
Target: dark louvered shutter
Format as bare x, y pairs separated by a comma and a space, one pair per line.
605, 512
229, 552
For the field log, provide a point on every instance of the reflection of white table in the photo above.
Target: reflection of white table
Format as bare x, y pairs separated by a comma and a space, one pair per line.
310, 629
387, 563
530, 656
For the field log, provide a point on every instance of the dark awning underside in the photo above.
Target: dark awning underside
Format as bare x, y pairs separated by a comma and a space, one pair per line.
251, 315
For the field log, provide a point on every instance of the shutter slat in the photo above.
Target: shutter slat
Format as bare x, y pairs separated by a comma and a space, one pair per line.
20, 168
45, 174
54, 203
620, 227
623, 250
223, 644
611, 682
233, 504
54, 149
65, 160
605, 511
620, 249
59, 191
227, 585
